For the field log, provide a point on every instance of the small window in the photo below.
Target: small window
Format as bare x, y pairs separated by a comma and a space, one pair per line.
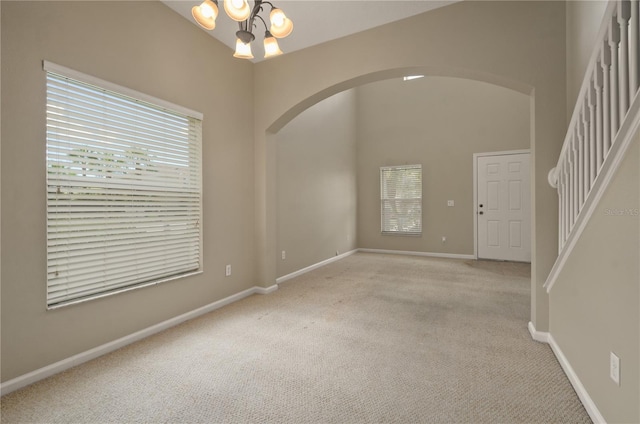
123, 188
401, 199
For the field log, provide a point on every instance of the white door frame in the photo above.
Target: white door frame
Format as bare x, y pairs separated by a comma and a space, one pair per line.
475, 190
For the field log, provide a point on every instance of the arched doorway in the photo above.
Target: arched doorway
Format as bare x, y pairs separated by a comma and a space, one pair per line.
436, 122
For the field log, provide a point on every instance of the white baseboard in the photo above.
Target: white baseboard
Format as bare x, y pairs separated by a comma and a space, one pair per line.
265, 290
588, 403
65, 364
429, 254
539, 336
582, 393
314, 266
393, 252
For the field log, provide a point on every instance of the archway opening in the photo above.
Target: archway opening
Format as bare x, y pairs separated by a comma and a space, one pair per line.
328, 149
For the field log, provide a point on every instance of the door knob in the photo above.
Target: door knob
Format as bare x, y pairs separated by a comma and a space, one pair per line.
480, 204
481, 213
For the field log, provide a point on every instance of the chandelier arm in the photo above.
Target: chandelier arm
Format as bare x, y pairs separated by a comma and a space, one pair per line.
243, 25
270, 4
257, 7
263, 22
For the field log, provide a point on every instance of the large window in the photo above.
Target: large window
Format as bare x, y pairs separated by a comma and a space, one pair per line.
401, 199
123, 188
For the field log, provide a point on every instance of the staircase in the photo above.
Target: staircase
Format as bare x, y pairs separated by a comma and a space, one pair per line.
604, 120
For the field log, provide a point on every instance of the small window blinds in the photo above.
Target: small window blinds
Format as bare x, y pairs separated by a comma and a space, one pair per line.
123, 188
401, 199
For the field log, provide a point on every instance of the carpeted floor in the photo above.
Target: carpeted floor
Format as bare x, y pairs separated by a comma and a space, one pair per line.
369, 339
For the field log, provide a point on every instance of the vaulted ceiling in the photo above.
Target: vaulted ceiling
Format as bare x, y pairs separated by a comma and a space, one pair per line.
318, 21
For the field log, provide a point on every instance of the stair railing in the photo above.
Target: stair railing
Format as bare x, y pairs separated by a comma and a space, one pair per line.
604, 120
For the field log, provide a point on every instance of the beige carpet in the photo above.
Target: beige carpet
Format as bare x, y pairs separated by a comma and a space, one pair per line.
371, 338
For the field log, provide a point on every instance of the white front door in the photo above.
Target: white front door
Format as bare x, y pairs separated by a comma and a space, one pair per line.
503, 210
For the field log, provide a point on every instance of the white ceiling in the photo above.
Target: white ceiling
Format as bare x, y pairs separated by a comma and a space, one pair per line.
315, 21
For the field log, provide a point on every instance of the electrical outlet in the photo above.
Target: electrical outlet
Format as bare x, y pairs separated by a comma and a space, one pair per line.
227, 270
614, 368
284, 254
450, 203
444, 239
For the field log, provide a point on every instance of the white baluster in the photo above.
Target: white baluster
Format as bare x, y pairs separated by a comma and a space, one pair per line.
597, 86
592, 134
581, 161
624, 13
560, 181
605, 63
559, 218
633, 49
574, 181
585, 137
561, 208
570, 177
614, 41
567, 214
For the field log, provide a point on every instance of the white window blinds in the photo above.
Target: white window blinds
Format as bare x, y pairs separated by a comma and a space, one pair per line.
401, 199
123, 189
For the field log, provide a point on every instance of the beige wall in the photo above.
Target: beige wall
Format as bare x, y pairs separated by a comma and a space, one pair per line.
147, 47
583, 23
520, 45
595, 302
440, 123
317, 184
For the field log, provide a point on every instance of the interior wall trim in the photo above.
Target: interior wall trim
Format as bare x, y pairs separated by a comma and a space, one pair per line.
581, 391
314, 266
539, 336
412, 253
65, 364
344, 255
586, 400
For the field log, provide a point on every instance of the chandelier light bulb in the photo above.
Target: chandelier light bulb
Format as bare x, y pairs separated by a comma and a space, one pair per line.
271, 47
206, 10
243, 51
238, 10
277, 17
205, 14
281, 26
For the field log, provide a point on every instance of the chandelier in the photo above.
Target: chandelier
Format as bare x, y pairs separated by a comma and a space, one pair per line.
239, 10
